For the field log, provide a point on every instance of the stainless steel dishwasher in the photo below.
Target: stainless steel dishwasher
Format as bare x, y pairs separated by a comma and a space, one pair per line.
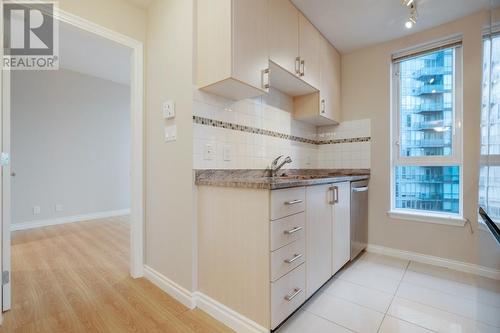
359, 217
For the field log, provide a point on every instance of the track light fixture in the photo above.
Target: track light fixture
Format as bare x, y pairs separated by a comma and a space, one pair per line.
412, 18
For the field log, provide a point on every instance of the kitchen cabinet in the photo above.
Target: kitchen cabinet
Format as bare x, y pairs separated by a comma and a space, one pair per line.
319, 215
309, 51
232, 48
323, 107
284, 35
341, 248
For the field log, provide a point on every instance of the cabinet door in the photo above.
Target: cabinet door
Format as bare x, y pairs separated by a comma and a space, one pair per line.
341, 226
318, 237
250, 44
329, 81
309, 48
284, 34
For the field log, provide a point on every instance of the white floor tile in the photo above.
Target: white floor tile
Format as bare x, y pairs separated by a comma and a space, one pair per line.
368, 278
346, 314
480, 289
435, 319
304, 321
394, 325
371, 298
454, 304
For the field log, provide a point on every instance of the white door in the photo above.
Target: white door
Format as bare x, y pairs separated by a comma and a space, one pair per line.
341, 226
319, 212
5, 193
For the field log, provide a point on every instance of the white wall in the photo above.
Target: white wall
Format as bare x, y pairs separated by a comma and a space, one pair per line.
70, 144
366, 94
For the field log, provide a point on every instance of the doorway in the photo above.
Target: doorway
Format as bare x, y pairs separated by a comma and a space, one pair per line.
136, 159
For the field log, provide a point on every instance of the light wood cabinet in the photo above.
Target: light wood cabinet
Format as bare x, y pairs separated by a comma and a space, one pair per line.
323, 107
232, 47
284, 35
341, 234
309, 51
319, 216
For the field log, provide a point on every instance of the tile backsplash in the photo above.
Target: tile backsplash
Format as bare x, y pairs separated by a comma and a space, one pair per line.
249, 134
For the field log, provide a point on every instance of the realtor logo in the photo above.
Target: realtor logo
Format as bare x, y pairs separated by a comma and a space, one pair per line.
31, 36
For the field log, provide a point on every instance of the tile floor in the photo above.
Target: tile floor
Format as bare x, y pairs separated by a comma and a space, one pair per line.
386, 295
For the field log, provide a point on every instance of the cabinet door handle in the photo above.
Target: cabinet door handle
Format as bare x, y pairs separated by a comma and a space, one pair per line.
323, 106
293, 202
295, 257
302, 67
297, 65
265, 78
292, 231
294, 294
335, 191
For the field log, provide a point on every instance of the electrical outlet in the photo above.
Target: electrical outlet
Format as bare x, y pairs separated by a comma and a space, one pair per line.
37, 210
168, 109
209, 152
58, 208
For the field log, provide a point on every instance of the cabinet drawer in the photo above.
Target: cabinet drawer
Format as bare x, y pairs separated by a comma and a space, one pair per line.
287, 202
287, 258
287, 294
287, 230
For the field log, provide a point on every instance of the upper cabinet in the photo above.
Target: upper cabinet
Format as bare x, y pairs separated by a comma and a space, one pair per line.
233, 52
284, 35
309, 51
247, 46
323, 107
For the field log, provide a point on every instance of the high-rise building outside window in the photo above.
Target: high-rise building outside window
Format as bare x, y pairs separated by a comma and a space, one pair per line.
489, 179
426, 132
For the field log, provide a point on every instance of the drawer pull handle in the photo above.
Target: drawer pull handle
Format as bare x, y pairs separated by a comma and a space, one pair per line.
296, 291
293, 202
292, 231
295, 257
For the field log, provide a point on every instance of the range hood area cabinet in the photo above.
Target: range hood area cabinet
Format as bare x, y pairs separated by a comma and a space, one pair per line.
247, 46
233, 52
322, 107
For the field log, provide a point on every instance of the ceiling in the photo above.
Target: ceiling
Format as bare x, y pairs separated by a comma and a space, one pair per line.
353, 24
90, 54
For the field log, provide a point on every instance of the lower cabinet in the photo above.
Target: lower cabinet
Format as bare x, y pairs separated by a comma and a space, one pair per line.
327, 232
319, 215
341, 226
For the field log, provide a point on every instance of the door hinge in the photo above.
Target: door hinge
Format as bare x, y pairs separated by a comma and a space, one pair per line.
5, 277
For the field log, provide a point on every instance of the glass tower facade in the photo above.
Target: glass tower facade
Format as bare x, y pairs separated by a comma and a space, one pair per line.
426, 111
489, 179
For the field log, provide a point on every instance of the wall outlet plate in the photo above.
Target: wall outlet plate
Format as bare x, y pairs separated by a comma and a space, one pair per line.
58, 208
168, 109
227, 153
170, 133
209, 152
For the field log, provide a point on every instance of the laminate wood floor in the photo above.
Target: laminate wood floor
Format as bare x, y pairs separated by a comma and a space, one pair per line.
75, 278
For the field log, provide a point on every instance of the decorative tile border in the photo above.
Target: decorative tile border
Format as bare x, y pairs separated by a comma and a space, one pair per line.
260, 131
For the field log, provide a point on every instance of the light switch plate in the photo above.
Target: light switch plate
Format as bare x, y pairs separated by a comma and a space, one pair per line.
58, 208
37, 210
168, 109
170, 133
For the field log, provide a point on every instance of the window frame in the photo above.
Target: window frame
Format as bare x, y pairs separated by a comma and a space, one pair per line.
455, 159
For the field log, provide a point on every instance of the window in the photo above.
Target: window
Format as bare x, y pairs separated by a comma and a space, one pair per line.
489, 179
427, 145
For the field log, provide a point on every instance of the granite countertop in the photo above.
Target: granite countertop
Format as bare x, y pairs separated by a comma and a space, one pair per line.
260, 179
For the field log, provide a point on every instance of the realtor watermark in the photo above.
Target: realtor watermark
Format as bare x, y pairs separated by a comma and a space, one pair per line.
30, 35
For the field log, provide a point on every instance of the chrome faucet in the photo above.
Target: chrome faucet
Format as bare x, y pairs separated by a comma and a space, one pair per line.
275, 167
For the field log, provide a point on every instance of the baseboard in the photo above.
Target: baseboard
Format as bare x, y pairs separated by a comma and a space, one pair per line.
68, 219
170, 287
227, 316
436, 261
